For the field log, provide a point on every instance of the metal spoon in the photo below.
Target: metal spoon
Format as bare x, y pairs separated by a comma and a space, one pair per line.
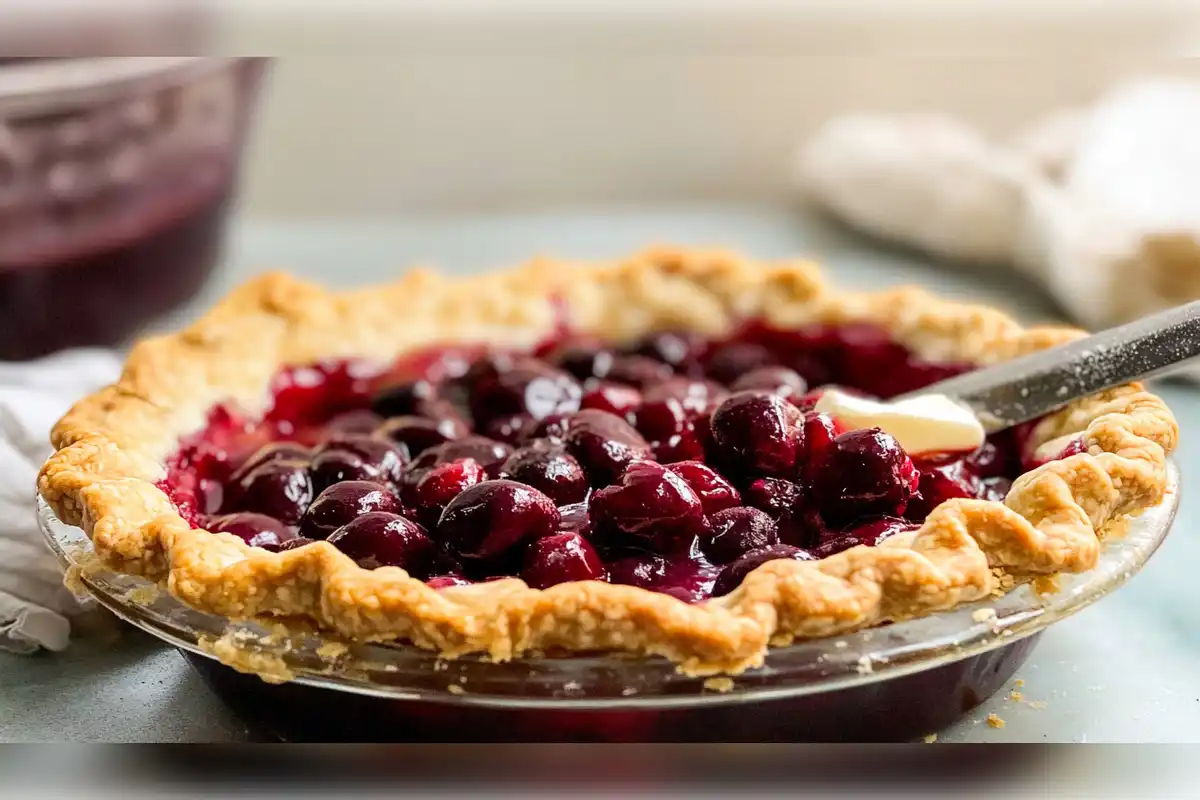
1031, 386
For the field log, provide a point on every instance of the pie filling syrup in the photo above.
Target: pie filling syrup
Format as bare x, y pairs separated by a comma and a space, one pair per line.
677, 465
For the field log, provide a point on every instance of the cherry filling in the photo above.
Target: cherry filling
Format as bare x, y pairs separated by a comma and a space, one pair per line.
674, 464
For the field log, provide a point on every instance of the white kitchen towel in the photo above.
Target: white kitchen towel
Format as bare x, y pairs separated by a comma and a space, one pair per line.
1099, 204
35, 607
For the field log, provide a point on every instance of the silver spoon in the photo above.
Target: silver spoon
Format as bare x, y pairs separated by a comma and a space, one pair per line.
1032, 386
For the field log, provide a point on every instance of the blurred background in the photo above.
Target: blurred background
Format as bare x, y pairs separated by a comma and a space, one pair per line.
134, 191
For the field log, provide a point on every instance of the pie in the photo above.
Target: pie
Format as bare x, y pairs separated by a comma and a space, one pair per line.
586, 457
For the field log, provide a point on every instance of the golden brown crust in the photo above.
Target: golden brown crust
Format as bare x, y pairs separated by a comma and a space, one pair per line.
112, 445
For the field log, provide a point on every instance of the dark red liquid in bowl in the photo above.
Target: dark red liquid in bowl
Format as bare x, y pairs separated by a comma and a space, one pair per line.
113, 205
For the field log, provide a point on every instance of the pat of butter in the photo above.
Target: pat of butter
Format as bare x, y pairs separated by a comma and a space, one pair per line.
926, 424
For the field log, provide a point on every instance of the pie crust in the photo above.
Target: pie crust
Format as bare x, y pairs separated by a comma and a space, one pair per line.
112, 446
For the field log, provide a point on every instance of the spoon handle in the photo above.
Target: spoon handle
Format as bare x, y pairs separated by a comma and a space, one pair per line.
1031, 386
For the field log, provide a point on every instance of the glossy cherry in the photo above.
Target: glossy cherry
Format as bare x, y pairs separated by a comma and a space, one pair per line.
652, 504
404, 399
356, 457
256, 530
659, 420
758, 434
864, 473
294, 544
274, 451
379, 539
697, 395
715, 492
551, 470
561, 558
440, 484
639, 372
446, 581
939, 483
737, 531
509, 428
489, 518
615, 398
279, 489
685, 579
604, 445
524, 386
419, 434
342, 502
732, 576
489, 453
583, 361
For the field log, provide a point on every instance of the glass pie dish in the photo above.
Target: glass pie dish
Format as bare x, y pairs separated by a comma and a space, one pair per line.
889, 683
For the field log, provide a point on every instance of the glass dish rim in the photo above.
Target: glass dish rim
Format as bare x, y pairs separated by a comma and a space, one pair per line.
609, 681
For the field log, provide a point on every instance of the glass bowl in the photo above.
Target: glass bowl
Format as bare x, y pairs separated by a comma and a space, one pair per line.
889, 683
116, 178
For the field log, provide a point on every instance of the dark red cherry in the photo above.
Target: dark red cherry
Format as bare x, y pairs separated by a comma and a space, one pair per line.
715, 493
274, 451
583, 362
561, 558
405, 399
638, 371
509, 428
489, 453
604, 445
527, 386
682, 447
344, 501
681, 350
551, 470
380, 539
758, 434
442, 483
819, 432
808, 401
350, 457
658, 421
698, 396
489, 518
939, 483
279, 489
358, 422
776, 380
652, 504
736, 531
731, 361
989, 461
684, 579
419, 434
615, 398
786, 503
256, 530
552, 428
995, 489
446, 581
865, 473
732, 576
870, 533
294, 544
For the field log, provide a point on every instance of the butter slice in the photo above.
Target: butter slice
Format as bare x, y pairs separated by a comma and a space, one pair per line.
926, 424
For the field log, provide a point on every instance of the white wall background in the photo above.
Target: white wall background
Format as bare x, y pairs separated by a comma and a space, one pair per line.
417, 109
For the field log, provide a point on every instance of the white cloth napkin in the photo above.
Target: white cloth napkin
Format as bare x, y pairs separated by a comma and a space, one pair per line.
35, 607
1099, 205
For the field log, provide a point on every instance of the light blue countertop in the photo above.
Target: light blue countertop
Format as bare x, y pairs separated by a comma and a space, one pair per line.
1123, 670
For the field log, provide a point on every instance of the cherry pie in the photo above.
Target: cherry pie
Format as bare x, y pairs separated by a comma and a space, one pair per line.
585, 458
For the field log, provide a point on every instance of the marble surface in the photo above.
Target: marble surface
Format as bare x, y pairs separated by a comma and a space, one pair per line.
1121, 671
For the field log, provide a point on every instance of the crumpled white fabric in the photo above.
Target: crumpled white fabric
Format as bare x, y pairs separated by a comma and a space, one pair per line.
1099, 205
35, 607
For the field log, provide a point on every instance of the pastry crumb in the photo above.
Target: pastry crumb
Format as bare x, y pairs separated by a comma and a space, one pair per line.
931, 738
1016, 696
454, 688
719, 684
1046, 585
984, 614
841, 644
864, 666
994, 721
1037, 704
1018, 683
